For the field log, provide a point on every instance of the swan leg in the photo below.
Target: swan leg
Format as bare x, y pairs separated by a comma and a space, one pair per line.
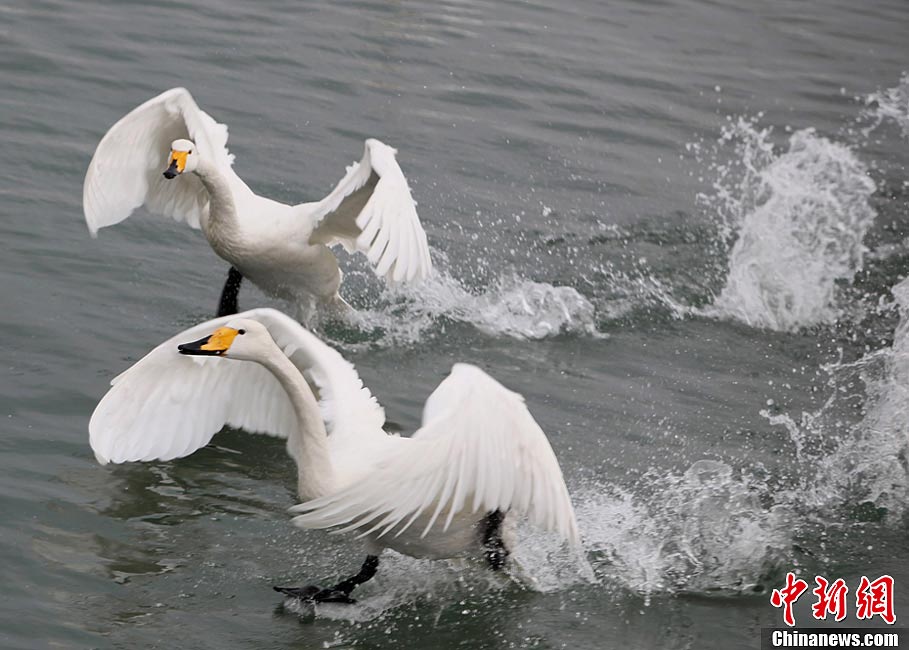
228, 303
493, 545
340, 593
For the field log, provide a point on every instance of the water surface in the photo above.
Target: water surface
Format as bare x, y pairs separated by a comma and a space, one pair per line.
674, 226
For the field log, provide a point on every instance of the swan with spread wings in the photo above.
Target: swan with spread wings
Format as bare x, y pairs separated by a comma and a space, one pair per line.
478, 461
171, 157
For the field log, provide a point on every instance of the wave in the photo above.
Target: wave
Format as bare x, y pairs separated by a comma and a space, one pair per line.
789, 218
793, 220
889, 105
707, 530
711, 529
798, 218
859, 466
511, 306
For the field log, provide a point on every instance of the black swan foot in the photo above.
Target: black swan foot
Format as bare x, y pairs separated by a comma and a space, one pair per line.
340, 593
494, 548
317, 594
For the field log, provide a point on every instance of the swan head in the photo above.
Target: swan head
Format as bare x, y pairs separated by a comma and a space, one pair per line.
241, 338
183, 158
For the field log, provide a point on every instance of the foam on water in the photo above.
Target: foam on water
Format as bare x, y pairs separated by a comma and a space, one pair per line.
891, 104
793, 221
512, 306
859, 464
539, 563
797, 218
886, 423
405, 582
707, 530
623, 292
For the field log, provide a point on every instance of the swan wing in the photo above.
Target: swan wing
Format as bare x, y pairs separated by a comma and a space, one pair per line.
169, 405
126, 169
372, 211
479, 450
349, 409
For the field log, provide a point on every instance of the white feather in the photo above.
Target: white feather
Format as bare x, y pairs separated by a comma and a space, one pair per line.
125, 171
479, 450
169, 405
279, 247
387, 223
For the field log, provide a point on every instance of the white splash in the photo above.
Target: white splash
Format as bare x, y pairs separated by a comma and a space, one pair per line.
861, 463
705, 531
891, 104
708, 530
539, 562
513, 306
622, 292
883, 448
799, 218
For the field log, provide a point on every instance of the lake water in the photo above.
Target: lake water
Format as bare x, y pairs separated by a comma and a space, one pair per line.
673, 225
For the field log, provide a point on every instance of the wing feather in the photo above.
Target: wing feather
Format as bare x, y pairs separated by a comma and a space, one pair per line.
169, 405
386, 227
479, 445
126, 169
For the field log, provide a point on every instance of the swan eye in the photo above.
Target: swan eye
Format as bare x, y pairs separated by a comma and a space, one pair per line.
190, 151
241, 331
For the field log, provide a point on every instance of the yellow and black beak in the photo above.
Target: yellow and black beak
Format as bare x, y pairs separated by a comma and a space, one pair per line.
177, 164
215, 345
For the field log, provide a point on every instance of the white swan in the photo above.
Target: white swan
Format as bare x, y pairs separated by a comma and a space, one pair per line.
284, 249
478, 458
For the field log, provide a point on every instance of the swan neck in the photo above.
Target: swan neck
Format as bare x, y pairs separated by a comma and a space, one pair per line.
221, 221
308, 443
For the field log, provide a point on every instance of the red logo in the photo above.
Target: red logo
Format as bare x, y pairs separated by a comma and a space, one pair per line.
871, 598
830, 600
786, 596
875, 599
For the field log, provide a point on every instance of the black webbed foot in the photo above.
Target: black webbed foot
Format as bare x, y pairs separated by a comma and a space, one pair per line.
494, 548
340, 593
316, 594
